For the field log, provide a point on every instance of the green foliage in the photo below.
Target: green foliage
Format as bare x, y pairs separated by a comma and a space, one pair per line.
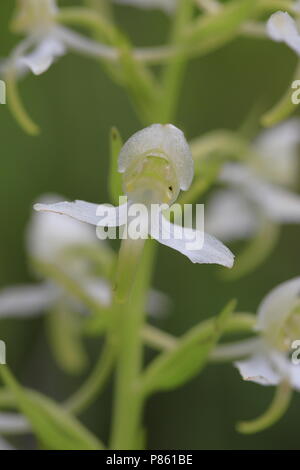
53, 426
175, 367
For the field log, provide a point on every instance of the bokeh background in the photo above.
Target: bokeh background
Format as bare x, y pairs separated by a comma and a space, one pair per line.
76, 104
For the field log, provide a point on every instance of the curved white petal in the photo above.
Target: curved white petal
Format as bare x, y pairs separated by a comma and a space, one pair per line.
166, 141
13, 423
277, 305
198, 246
281, 27
27, 300
279, 204
48, 235
258, 369
229, 216
102, 215
42, 57
167, 5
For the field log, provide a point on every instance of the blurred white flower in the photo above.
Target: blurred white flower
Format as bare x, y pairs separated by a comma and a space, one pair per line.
167, 5
45, 40
281, 27
279, 325
156, 164
257, 189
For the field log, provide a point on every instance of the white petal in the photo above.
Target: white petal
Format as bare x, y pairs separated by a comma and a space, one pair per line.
87, 212
277, 305
48, 235
279, 204
13, 423
258, 369
277, 152
40, 59
167, 5
281, 27
209, 250
27, 300
229, 216
163, 140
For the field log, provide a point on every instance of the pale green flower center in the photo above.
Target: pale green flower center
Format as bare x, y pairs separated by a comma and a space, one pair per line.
290, 331
151, 180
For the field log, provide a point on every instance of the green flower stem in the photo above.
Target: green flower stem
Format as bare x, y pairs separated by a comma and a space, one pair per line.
276, 410
255, 252
161, 341
90, 19
72, 286
16, 106
128, 404
85, 395
137, 79
284, 108
174, 70
7, 399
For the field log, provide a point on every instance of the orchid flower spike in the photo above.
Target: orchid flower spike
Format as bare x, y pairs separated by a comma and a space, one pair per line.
256, 190
168, 6
281, 27
279, 326
55, 240
155, 163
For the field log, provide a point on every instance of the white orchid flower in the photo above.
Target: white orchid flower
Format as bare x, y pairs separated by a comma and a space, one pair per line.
279, 326
257, 190
166, 5
281, 27
45, 40
155, 163
49, 239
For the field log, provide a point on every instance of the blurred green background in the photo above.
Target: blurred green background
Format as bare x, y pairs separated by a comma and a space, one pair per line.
76, 104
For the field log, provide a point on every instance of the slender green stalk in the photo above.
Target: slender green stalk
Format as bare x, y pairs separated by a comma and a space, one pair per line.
276, 410
85, 395
174, 70
128, 405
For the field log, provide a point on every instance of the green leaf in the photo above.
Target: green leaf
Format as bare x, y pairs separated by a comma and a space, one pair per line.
115, 178
175, 367
66, 341
53, 426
